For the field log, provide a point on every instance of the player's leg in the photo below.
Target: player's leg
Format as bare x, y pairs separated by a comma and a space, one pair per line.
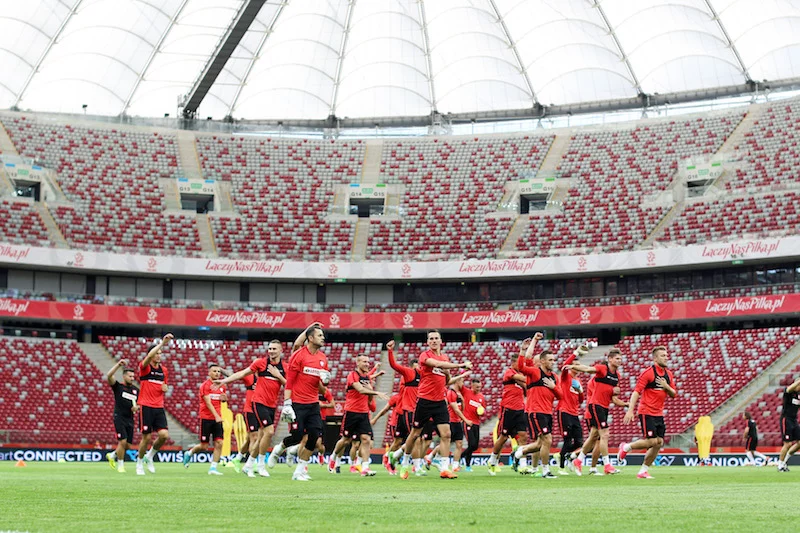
216, 438
443, 428
365, 448
603, 452
473, 439
312, 425
355, 446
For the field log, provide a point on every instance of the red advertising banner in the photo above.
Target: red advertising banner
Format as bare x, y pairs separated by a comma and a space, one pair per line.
780, 304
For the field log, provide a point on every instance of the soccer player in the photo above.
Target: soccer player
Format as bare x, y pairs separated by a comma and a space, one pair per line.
606, 381
125, 395
211, 432
567, 409
356, 422
152, 417
308, 367
409, 386
474, 408
653, 386
790, 429
751, 441
543, 389
512, 422
251, 421
270, 376
435, 369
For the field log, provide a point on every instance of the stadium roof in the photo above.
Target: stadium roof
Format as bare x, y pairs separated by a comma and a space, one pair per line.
311, 61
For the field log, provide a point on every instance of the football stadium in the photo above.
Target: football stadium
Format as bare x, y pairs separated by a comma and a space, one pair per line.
399, 265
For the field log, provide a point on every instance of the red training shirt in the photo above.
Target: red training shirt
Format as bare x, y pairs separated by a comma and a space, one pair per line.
409, 384
513, 393
471, 403
540, 398
433, 380
268, 386
354, 401
653, 396
454, 398
250, 385
327, 398
151, 378
393, 402
571, 399
604, 383
304, 375
214, 392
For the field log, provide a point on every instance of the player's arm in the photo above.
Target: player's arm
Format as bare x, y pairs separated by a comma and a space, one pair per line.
532, 346
374, 369
235, 376
357, 386
457, 410
379, 414
459, 379
553, 386
210, 406
526, 366
110, 374
661, 382
520, 379
631, 406
274, 372
446, 365
619, 403
301, 339
152, 353
577, 367
746, 432
794, 386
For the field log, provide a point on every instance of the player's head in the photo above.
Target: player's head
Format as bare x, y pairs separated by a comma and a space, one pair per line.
414, 363
615, 357
214, 371
362, 363
127, 376
660, 356
275, 349
476, 385
315, 336
547, 359
434, 340
748, 415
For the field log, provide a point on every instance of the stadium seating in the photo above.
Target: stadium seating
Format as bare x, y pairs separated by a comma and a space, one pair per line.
283, 190
188, 360
53, 393
21, 224
450, 188
770, 153
111, 178
758, 216
766, 411
615, 171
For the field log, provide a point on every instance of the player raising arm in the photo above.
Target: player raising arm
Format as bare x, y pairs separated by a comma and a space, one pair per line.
653, 386
125, 395
211, 431
790, 429
152, 416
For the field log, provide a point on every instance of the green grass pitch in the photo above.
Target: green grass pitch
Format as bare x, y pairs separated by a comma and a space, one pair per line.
93, 497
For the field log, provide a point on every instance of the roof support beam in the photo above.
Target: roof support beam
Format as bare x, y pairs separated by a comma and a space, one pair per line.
340, 60
427, 42
732, 46
46, 51
520, 64
256, 55
153, 52
622, 53
241, 22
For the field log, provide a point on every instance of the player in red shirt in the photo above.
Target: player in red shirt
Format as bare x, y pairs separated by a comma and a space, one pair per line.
543, 389
455, 408
308, 368
606, 384
512, 422
567, 409
474, 408
653, 386
435, 369
153, 378
356, 423
270, 376
409, 386
211, 398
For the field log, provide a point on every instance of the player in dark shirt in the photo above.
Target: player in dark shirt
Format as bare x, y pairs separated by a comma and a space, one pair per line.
790, 429
125, 406
751, 441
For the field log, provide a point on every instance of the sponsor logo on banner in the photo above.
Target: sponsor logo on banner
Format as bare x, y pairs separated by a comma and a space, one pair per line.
408, 321
665, 460
246, 318
582, 262
651, 258
78, 260
756, 303
14, 253
334, 321
152, 263
515, 266
11, 308
77, 312
654, 312
152, 316
726, 251
244, 267
586, 316
405, 270
498, 318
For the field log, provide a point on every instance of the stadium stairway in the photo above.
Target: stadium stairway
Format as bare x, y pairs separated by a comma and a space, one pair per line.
53, 231
6, 187
371, 169
6, 145
169, 187
554, 154
104, 361
735, 405
360, 240
516, 231
205, 235
187, 154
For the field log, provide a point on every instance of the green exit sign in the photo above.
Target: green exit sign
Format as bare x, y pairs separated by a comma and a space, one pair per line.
738, 262
340, 280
